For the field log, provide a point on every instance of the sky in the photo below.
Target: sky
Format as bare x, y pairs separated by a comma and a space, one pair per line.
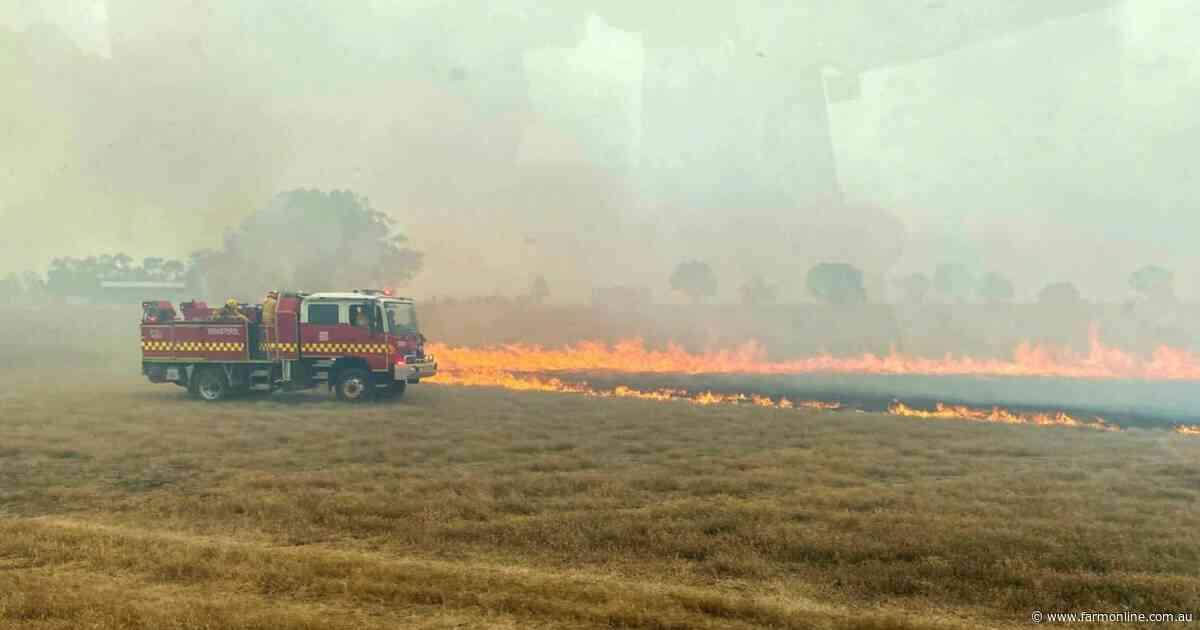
602, 143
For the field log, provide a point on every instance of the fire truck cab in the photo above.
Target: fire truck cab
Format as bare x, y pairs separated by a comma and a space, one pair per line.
359, 343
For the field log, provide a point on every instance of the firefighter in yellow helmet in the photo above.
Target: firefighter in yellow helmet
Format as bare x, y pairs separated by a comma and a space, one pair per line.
230, 311
270, 304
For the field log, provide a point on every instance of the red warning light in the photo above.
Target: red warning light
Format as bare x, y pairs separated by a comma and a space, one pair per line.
387, 292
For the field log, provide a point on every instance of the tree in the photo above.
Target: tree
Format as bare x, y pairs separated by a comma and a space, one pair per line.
11, 290
81, 277
1153, 282
954, 281
837, 283
914, 288
35, 287
152, 268
996, 288
540, 290
1060, 294
694, 279
755, 292
311, 240
173, 270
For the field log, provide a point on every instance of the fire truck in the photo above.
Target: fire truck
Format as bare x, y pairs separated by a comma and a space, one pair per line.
361, 344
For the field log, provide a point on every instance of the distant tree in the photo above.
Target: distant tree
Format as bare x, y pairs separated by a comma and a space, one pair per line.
11, 290
837, 283
539, 291
694, 279
81, 277
173, 270
311, 240
34, 285
152, 268
756, 291
1060, 294
73, 276
996, 288
954, 281
122, 268
914, 288
1153, 282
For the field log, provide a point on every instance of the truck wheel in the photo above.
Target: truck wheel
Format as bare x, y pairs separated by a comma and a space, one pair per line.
211, 385
354, 385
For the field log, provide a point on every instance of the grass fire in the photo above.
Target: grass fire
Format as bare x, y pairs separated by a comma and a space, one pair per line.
869, 315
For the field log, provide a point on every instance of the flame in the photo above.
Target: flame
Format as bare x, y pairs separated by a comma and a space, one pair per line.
485, 377
1100, 362
523, 382
522, 367
1001, 415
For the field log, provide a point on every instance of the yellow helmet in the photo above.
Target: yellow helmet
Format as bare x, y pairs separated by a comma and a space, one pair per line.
231, 303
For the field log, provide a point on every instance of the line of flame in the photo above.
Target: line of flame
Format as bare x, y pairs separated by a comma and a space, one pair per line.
1001, 415
1100, 362
487, 377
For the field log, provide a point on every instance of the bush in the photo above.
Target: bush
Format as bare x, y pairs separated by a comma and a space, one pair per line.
694, 279
914, 288
1153, 281
1060, 294
996, 288
954, 281
837, 283
756, 292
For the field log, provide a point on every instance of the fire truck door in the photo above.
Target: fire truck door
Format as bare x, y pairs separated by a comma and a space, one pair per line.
320, 329
364, 336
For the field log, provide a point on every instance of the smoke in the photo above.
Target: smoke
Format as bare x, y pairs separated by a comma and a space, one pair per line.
598, 144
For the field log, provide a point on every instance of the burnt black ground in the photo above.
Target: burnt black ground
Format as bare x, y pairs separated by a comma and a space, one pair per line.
1127, 403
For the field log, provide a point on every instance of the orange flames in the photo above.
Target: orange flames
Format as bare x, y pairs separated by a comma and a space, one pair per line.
520, 382
999, 414
521, 367
487, 377
1100, 362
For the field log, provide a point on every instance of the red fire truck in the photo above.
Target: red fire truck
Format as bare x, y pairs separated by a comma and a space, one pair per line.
359, 343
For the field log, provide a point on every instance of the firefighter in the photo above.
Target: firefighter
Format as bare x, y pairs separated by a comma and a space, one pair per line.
360, 318
230, 311
270, 303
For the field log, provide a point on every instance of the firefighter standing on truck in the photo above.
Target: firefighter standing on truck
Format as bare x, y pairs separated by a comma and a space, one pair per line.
270, 304
230, 311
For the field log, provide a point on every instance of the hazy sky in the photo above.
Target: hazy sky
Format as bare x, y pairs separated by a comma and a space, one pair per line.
597, 143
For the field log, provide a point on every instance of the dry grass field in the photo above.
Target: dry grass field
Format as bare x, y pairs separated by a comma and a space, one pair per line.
126, 505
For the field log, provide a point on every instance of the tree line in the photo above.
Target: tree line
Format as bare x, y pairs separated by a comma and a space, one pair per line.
842, 283
304, 239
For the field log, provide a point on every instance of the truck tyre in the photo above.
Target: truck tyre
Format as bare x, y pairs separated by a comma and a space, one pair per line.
211, 386
354, 385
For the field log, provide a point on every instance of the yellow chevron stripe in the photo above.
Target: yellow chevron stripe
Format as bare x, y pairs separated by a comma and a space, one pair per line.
193, 346
345, 348
279, 346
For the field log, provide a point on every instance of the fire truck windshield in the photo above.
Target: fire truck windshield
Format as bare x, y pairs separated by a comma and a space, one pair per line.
401, 317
